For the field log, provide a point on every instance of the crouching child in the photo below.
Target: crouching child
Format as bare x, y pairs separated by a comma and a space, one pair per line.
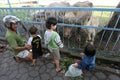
87, 62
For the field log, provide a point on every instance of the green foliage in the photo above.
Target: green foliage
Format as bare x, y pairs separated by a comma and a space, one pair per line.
66, 62
103, 17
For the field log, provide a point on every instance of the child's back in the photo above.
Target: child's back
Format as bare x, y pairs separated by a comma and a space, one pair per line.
35, 43
36, 46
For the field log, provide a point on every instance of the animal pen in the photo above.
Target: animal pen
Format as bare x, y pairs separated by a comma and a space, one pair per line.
104, 44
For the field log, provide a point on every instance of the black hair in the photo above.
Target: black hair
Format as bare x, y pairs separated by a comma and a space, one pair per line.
50, 21
11, 23
90, 50
33, 30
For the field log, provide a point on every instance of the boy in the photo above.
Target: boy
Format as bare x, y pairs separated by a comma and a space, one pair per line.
35, 42
53, 41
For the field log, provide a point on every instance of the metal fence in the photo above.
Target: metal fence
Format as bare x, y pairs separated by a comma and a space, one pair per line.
103, 14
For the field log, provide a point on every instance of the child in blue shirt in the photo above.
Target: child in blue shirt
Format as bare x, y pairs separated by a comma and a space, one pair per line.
88, 58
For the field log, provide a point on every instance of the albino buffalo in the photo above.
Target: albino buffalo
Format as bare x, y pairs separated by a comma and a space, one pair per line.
84, 3
79, 17
69, 18
59, 4
92, 31
44, 14
82, 16
88, 34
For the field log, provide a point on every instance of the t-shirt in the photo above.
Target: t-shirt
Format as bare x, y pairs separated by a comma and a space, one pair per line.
52, 39
31, 38
14, 40
87, 63
35, 42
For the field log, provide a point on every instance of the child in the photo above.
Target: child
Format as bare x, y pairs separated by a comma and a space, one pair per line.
53, 41
35, 43
87, 62
88, 58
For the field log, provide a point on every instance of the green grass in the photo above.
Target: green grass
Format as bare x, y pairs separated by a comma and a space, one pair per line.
103, 17
22, 14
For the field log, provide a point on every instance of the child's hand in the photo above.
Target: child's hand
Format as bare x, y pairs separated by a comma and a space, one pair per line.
28, 47
75, 65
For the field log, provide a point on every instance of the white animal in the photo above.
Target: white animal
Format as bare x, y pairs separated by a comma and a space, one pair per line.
79, 17
94, 22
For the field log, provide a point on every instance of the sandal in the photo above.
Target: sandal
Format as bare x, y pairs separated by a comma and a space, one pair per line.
60, 70
32, 64
16, 59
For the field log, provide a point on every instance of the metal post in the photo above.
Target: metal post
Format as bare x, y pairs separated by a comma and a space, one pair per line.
10, 8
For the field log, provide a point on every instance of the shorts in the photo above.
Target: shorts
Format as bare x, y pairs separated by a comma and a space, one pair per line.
36, 53
23, 54
55, 53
